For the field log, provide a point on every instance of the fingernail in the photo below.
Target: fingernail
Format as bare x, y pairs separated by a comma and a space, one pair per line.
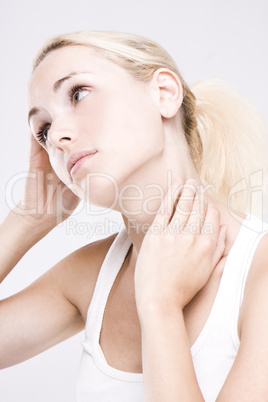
176, 185
191, 181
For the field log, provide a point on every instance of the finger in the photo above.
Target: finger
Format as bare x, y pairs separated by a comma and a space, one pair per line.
185, 204
211, 225
34, 147
38, 157
167, 206
220, 246
198, 213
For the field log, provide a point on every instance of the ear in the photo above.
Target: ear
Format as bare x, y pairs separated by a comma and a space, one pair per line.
170, 91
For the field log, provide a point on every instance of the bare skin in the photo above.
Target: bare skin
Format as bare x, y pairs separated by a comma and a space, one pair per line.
73, 281
64, 293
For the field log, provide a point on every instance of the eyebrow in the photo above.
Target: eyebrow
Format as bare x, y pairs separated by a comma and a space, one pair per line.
59, 83
56, 87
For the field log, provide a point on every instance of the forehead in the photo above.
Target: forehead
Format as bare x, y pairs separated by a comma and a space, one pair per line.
61, 62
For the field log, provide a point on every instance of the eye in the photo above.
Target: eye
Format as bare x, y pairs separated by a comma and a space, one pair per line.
42, 133
77, 93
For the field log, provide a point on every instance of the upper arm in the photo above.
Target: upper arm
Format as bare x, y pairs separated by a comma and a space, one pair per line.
49, 310
247, 380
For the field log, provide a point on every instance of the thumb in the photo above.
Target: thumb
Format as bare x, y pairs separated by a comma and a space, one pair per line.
220, 246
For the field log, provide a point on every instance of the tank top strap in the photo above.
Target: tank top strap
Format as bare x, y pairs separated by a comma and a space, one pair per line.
258, 229
240, 257
107, 275
236, 271
253, 231
224, 314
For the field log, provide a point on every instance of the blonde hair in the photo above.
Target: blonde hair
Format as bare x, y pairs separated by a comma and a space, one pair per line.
225, 134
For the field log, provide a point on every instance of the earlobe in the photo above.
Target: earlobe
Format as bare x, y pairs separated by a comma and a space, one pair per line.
170, 92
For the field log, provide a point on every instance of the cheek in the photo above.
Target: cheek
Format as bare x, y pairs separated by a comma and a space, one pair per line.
143, 139
132, 125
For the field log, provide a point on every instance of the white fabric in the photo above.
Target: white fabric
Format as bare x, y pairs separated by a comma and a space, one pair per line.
215, 348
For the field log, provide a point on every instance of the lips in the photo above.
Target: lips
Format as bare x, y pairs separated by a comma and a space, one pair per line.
78, 157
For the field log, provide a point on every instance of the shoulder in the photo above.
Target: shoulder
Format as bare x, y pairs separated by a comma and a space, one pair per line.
247, 379
259, 265
77, 273
255, 297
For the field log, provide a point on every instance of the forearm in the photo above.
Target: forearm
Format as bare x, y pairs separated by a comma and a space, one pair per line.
17, 236
167, 363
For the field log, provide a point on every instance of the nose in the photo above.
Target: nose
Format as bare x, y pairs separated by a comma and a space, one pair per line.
62, 132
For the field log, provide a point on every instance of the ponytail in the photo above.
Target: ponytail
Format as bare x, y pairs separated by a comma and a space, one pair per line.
229, 144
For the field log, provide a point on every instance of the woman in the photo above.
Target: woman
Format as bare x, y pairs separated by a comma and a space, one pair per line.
114, 123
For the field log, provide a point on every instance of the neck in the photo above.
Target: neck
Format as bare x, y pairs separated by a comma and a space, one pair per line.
142, 200
138, 226
147, 187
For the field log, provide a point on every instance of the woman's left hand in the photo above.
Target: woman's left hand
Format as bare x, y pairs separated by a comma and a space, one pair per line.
180, 250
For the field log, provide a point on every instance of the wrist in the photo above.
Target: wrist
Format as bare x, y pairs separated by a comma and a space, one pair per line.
158, 311
156, 320
16, 238
37, 223
25, 227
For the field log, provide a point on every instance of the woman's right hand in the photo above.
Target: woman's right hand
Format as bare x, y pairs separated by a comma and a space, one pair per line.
46, 200
180, 250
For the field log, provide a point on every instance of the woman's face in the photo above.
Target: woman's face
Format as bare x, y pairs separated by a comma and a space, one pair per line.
80, 102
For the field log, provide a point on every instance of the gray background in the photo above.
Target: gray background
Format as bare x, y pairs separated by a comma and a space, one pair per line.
225, 39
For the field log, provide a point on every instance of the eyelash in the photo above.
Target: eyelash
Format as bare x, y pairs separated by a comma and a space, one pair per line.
73, 90
40, 133
71, 93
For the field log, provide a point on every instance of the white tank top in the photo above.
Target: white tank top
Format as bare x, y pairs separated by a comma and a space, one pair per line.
213, 352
